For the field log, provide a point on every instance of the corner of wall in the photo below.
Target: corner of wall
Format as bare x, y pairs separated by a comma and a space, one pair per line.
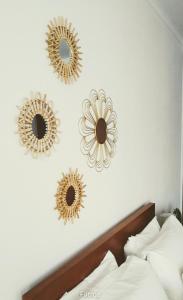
164, 17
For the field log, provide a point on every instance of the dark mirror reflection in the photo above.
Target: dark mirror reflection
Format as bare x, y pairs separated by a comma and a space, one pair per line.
70, 195
39, 126
101, 131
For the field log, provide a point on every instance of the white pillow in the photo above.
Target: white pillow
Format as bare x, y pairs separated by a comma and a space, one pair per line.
136, 243
165, 255
169, 243
168, 275
133, 280
107, 265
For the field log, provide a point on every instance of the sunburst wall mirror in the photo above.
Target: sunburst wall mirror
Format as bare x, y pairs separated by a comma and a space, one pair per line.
38, 125
69, 196
63, 50
98, 130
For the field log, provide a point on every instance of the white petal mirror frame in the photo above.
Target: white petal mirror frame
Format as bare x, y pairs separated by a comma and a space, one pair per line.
98, 129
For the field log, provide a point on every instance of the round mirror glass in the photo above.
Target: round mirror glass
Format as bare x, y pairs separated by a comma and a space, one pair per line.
70, 195
101, 133
65, 51
39, 126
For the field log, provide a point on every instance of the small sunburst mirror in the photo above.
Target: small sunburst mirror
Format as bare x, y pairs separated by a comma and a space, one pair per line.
69, 196
63, 50
37, 125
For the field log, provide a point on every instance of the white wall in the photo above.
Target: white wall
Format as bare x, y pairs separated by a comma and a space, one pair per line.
131, 54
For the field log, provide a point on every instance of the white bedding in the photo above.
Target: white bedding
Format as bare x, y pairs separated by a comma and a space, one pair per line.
157, 274
165, 255
107, 265
169, 243
133, 280
136, 243
164, 252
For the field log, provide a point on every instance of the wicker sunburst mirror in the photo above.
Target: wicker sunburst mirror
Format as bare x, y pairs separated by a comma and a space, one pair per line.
63, 50
69, 196
37, 125
98, 130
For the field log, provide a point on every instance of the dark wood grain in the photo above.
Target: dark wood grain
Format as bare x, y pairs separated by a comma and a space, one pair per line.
80, 266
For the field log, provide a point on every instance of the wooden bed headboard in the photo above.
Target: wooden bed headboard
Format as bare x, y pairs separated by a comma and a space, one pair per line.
80, 266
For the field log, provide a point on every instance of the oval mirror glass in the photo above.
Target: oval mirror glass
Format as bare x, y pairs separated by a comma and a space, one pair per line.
101, 131
70, 195
39, 126
65, 51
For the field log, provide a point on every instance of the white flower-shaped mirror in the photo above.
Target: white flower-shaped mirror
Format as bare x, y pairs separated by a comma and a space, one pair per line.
98, 130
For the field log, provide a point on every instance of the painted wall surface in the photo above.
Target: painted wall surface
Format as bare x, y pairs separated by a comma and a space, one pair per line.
130, 53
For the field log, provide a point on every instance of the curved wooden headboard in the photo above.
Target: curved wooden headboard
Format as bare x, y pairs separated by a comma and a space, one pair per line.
80, 266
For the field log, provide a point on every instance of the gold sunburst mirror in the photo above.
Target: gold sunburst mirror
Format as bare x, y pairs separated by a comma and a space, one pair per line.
69, 196
98, 130
63, 50
38, 125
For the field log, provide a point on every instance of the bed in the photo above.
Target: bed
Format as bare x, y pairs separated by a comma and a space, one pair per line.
79, 267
